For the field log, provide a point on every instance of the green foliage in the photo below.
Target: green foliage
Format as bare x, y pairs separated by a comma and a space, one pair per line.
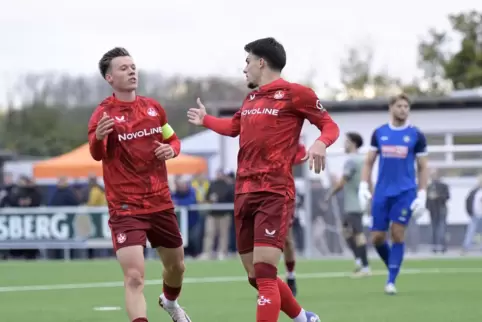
41, 130
462, 67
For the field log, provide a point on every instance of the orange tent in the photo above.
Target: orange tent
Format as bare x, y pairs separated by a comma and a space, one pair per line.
78, 164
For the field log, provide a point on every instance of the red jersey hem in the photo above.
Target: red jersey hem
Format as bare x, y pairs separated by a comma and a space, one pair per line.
140, 211
282, 193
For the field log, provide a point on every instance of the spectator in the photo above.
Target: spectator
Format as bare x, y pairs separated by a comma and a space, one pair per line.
185, 195
28, 193
28, 196
64, 195
218, 222
201, 186
437, 196
96, 193
8, 192
474, 208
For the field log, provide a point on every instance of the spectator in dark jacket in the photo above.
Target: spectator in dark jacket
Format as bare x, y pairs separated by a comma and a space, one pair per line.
8, 192
64, 195
185, 195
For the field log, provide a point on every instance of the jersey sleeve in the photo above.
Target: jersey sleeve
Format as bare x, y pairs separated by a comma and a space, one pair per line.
300, 154
374, 142
97, 148
307, 104
168, 134
349, 169
224, 126
421, 144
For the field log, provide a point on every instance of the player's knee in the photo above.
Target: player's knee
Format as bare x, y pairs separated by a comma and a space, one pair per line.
347, 233
378, 238
177, 268
360, 239
134, 279
288, 243
397, 233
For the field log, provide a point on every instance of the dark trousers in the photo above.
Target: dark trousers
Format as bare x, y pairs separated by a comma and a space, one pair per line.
439, 227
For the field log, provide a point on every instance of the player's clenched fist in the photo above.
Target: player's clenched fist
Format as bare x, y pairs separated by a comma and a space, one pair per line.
196, 115
164, 151
104, 127
316, 156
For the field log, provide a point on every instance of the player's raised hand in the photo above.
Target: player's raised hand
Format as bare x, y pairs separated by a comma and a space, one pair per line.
104, 127
196, 115
316, 156
164, 151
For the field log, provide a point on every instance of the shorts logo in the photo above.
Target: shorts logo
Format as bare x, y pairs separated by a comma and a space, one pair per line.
121, 238
269, 233
152, 111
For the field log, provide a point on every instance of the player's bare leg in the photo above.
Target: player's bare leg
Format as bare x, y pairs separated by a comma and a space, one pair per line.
288, 304
290, 261
131, 259
173, 274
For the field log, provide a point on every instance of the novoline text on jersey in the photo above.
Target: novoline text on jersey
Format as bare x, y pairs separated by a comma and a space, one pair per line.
139, 134
268, 111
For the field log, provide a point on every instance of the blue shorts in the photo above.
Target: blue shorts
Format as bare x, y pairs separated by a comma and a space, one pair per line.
386, 210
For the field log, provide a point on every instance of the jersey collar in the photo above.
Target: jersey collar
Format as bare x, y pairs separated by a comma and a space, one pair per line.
117, 101
274, 84
399, 128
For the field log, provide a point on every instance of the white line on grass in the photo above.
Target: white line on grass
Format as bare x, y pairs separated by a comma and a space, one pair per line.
230, 279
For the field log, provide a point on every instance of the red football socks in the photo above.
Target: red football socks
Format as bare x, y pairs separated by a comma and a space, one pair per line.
140, 320
269, 299
289, 305
171, 293
290, 266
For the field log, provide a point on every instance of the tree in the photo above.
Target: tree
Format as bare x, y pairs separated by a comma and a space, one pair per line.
360, 80
461, 67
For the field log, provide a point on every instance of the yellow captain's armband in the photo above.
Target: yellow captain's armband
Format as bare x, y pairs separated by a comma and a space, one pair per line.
167, 131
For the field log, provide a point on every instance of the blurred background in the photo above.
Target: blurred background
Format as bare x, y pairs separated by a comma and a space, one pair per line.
51, 191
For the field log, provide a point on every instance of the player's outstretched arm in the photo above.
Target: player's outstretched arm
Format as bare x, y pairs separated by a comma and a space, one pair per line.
307, 104
100, 126
228, 127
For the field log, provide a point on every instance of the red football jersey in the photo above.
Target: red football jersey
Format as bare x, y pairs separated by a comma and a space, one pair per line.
269, 125
135, 180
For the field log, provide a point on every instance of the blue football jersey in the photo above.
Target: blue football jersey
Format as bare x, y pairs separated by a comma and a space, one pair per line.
397, 149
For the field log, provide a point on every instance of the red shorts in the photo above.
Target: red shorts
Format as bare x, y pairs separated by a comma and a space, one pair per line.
161, 229
262, 219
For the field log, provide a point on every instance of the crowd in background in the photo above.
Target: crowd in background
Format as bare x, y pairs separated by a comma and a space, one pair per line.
211, 232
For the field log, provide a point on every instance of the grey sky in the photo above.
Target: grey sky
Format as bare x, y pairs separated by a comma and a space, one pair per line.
207, 37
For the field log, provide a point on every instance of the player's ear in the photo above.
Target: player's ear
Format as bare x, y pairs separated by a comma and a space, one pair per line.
262, 63
108, 78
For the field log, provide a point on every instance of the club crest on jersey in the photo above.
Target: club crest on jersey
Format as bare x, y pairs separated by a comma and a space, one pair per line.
278, 95
406, 139
151, 111
121, 238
